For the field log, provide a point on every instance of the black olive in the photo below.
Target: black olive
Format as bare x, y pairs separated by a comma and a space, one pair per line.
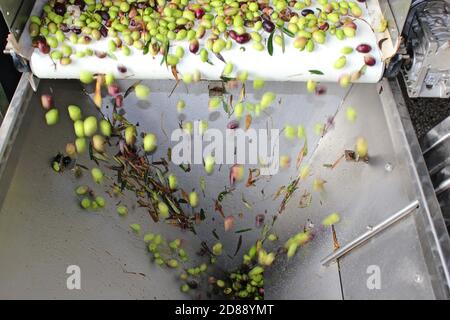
103, 31
268, 26
105, 15
80, 3
67, 161
60, 8
305, 12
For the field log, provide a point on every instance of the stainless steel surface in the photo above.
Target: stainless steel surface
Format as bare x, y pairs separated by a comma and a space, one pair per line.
42, 229
364, 195
360, 240
428, 72
436, 149
399, 10
16, 14
429, 221
411, 257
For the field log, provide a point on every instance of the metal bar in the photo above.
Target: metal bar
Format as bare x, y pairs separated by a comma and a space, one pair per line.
436, 143
444, 186
370, 233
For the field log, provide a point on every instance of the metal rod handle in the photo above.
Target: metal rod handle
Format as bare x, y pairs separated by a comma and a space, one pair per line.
370, 233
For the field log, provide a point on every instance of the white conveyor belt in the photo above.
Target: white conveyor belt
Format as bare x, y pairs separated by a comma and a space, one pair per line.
292, 65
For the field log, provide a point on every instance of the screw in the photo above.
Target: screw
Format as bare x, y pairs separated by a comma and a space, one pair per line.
388, 167
418, 278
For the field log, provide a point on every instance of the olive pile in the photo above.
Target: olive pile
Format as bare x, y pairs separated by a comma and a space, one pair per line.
210, 26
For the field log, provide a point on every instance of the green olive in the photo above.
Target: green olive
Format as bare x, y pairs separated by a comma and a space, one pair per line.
52, 117
74, 112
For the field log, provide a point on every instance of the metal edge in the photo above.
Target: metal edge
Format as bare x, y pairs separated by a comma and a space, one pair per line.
436, 136
435, 240
14, 114
20, 14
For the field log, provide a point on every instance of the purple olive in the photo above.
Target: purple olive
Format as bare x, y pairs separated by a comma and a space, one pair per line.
233, 34
243, 38
369, 60
350, 24
64, 28
47, 101
76, 30
363, 48
119, 101
44, 47
41, 44
320, 90
194, 46
113, 90
122, 69
233, 124
259, 220
268, 26
324, 26
199, 13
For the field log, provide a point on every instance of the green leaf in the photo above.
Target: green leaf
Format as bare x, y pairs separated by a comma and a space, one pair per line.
166, 52
147, 47
316, 72
286, 31
172, 205
270, 44
225, 106
226, 79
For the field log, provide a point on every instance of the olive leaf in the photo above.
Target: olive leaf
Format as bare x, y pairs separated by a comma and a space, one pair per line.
220, 57
226, 79
289, 33
270, 44
243, 230
316, 72
166, 52
147, 47
215, 234
239, 244
226, 107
